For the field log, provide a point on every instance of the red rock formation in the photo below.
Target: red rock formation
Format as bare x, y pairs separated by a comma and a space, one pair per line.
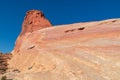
81, 51
34, 20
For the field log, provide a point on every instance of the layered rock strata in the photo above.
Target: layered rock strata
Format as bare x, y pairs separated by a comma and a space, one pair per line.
80, 51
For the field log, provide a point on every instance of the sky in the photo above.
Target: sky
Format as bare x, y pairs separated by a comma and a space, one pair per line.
59, 12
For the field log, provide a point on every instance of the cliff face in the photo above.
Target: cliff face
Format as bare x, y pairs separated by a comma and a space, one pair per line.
81, 51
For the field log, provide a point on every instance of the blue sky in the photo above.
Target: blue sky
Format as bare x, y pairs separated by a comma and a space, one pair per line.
59, 12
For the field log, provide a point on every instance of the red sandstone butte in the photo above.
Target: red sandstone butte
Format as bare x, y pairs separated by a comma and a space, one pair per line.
33, 21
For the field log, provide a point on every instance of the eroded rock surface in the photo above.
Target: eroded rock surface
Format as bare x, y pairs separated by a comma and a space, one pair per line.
80, 51
33, 21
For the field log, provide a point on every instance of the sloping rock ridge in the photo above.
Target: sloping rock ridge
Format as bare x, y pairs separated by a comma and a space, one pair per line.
80, 51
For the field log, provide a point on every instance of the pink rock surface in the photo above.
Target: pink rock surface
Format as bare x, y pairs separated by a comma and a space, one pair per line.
80, 51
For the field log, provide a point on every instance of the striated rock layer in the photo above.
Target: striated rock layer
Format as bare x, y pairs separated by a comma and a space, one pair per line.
81, 51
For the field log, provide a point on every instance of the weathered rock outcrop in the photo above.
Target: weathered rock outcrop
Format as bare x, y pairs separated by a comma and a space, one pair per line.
33, 21
81, 51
